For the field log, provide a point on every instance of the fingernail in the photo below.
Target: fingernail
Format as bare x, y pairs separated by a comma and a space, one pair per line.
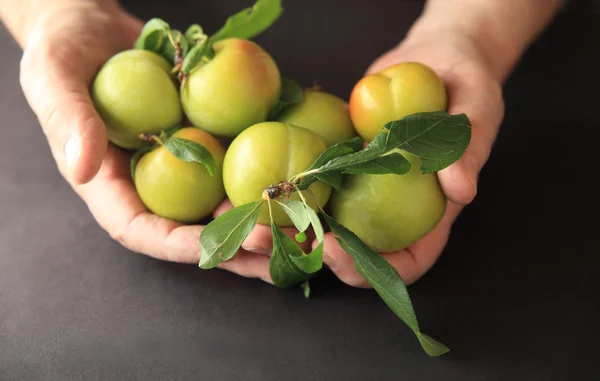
71, 151
259, 250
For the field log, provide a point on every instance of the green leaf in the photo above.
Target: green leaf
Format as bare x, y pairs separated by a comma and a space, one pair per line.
332, 178
194, 34
431, 346
310, 263
136, 158
250, 22
153, 35
190, 152
385, 280
344, 148
284, 272
297, 213
222, 237
438, 138
168, 49
194, 57
306, 287
316, 224
291, 94
393, 163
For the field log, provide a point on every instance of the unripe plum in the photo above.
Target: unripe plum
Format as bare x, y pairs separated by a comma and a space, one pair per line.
393, 93
390, 212
269, 153
323, 113
236, 89
179, 190
134, 94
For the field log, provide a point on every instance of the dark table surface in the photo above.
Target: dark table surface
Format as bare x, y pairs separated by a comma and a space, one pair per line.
514, 295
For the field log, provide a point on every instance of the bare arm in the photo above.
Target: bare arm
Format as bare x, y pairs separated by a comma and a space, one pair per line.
503, 29
21, 16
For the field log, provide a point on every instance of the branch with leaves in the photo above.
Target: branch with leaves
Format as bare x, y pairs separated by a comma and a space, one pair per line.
437, 138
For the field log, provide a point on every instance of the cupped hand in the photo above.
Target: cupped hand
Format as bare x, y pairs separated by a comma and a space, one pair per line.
472, 89
64, 50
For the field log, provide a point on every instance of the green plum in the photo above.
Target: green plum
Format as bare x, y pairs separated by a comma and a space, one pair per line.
269, 153
322, 113
390, 212
134, 93
179, 190
234, 90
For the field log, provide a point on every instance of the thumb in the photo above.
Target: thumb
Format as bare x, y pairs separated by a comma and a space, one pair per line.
55, 86
480, 98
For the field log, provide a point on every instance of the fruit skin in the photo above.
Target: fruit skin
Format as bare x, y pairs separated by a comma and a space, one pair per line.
179, 190
323, 113
269, 153
233, 91
393, 93
390, 212
134, 94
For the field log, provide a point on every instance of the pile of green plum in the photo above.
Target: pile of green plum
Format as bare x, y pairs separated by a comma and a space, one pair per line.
211, 117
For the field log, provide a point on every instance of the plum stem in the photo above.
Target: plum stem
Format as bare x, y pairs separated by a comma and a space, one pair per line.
149, 138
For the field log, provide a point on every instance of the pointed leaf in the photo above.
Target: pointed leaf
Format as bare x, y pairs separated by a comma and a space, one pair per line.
284, 272
438, 138
333, 179
384, 278
222, 237
431, 346
153, 35
393, 163
310, 263
194, 57
344, 148
190, 151
316, 224
297, 213
250, 22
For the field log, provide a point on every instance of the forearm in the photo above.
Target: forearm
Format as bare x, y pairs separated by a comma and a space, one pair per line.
502, 29
20, 16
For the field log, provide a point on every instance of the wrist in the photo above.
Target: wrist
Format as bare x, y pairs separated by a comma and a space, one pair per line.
497, 33
21, 16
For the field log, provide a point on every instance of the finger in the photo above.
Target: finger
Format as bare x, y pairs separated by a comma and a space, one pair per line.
260, 240
248, 265
56, 88
114, 202
480, 98
410, 263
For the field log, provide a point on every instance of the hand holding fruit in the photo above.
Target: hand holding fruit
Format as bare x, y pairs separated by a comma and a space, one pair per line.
471, 87
293, 152
66, 45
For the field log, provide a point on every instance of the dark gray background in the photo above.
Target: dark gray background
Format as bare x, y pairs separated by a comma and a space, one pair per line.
515, 294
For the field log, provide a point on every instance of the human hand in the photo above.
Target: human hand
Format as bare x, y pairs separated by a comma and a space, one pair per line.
473, 89
67, 44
